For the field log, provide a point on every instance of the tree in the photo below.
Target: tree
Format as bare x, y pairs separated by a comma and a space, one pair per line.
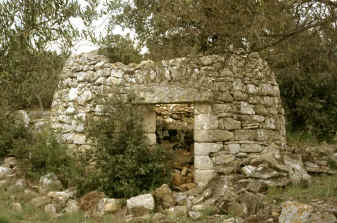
172, 28
28, 63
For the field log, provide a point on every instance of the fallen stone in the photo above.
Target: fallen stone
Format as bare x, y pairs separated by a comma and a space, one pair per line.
237, 209
112, 205
141, 204
187, 186
178, 179
89, 201
72, 206
177, 211
50, 209
296, 170
50, 182
253, 202
40, 201
4, 172
295, 212
180, 198
164, 196
17, 207
259, 172
256, 186
10, 162
60, 197
195, 215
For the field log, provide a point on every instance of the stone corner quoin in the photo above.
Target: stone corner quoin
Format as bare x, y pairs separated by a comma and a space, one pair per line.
237, 106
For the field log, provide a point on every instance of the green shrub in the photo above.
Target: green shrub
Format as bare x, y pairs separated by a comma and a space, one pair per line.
29, 79
13, 134
4, 219
45, 155
120, 49
125, 164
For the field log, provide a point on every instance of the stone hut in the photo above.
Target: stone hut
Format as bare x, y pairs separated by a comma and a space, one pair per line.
237, 107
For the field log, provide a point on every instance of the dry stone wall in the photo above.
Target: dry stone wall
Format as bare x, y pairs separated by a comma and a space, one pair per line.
237, 106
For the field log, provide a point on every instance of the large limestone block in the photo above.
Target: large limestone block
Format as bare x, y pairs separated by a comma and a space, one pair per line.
222, 158
251, 148
203, 149
212, 135
141, 204
203, 163
222, 108
205, 121
229, 124
246, 135
246, 108
203, 177
149, 121
233, 148
202, 109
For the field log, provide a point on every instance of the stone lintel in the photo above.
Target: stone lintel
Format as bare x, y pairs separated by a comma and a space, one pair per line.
171, 95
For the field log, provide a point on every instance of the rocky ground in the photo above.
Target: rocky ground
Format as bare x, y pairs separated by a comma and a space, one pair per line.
249, 193
231, 198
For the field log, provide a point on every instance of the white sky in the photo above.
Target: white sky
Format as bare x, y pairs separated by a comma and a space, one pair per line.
98, 27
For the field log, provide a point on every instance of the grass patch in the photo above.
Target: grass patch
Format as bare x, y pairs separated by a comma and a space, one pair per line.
299, 138
322, 187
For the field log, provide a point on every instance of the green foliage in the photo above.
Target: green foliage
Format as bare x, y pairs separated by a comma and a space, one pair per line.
13, 134
46, 155
332, 163
4, 219
30, 79
124, 162
306, 72
28, 65
120, 49
180, 27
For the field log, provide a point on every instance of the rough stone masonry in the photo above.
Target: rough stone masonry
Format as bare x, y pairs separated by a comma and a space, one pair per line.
237, 107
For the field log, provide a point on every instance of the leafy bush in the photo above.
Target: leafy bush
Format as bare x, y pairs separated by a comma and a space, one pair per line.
46, 155
306, 72
29, 80
39, 153
120, 49
13, 134
125, 164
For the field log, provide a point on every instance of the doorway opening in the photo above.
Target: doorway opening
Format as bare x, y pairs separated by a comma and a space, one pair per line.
174, 132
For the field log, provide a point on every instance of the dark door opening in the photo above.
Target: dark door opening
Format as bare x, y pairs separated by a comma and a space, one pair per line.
174, 132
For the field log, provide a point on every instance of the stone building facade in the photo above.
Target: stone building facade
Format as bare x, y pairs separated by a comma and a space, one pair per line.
236, 100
